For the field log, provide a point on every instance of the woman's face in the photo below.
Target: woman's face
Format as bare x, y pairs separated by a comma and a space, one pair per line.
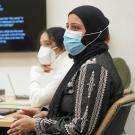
45, 41
75, 24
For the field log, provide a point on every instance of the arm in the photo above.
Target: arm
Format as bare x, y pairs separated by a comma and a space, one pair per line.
91, 103
41, 96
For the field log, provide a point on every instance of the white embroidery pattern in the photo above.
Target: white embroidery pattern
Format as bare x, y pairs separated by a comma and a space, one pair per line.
84, 118
90, 61
91, 84
99, 98
41, 123
102, 84
90, 89
70, 127
70, 84
80, 89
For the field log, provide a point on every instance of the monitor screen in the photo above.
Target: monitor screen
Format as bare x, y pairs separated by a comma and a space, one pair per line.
20, 24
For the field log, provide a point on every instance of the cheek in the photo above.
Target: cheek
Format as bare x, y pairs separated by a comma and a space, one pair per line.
53, 44
83, 30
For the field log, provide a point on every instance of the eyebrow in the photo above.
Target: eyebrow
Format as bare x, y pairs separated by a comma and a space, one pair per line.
46, 41
73, 23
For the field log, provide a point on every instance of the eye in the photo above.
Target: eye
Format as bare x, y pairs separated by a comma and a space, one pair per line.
67, 25
46, 44
74, 28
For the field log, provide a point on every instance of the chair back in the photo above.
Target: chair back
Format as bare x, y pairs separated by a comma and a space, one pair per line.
123, 71
116, 117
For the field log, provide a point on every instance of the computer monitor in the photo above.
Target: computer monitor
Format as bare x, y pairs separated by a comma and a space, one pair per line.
20, 23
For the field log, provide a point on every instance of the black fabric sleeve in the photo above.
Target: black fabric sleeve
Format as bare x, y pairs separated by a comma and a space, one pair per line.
91, 103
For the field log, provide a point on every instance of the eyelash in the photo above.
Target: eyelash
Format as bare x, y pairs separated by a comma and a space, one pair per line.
74, 28
45, 44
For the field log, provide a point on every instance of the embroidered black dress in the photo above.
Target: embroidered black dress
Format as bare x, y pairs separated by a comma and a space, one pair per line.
85, 100
90, 87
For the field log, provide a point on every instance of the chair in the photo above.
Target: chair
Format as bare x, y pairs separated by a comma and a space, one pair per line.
115, 119
124, 73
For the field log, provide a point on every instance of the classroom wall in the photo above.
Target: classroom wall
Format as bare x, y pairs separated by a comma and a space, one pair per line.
121, 14
122, 19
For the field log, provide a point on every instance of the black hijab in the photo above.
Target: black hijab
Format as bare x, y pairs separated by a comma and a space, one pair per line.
93, 20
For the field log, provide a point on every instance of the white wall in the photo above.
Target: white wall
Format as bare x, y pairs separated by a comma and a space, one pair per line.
122, 20
17, 66
121, 14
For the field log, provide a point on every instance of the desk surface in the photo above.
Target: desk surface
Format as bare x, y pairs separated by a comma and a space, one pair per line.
7, 120
11, 102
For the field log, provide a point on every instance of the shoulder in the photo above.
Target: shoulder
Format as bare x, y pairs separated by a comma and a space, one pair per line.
63, 62
90, 66
65, 56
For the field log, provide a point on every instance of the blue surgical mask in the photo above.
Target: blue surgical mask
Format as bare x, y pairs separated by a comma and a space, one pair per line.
72, 42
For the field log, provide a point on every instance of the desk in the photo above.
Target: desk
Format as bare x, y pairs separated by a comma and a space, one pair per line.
7, 120
11, 102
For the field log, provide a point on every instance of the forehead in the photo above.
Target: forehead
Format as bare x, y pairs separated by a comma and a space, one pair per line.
44, 36
72, 18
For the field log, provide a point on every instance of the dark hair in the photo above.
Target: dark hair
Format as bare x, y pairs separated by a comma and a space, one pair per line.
55, 34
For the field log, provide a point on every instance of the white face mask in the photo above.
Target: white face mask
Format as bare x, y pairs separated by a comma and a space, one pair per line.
46, 55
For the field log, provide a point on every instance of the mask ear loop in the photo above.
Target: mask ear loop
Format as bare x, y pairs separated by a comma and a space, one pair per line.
54, 48
54, 51
99, 33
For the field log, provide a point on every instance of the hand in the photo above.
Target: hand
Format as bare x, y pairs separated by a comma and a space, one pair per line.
41, 114
35, 73
46, 68
29, 111
22, 125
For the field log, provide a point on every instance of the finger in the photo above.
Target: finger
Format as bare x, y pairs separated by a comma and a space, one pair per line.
9, 132
20, 112
26, 109
14, 131
41, 114
36, 116
15, 124
30, 111
19, 116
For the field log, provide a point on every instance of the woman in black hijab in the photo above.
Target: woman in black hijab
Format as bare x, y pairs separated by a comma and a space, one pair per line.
92, 84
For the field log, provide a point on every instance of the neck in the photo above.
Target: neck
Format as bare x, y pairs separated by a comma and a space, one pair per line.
59, 52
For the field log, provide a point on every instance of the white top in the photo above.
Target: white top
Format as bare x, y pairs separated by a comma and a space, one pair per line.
39, 95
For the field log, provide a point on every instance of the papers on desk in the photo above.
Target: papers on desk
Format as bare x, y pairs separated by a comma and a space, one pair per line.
14, 103
1, 116
5, 111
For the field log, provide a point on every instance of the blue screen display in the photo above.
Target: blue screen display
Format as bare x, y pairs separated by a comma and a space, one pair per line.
20, 23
